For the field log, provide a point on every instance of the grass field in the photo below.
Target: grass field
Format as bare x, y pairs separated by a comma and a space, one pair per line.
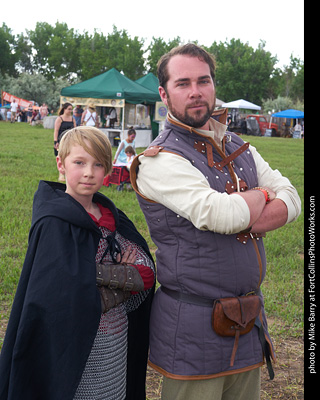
26, 156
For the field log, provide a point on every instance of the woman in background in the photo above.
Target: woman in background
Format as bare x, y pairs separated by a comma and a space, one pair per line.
63, 123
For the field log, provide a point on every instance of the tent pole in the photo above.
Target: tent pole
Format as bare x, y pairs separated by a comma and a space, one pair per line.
123, 121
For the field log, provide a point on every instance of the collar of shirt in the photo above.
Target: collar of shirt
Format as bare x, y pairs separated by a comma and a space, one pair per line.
216, 130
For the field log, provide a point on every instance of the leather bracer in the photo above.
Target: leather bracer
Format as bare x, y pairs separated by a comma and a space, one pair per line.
111, 298
119, 276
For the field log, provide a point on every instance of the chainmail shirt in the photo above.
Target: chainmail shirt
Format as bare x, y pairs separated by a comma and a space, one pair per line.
104, 376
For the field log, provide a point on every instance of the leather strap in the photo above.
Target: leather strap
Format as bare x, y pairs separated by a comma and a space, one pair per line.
265, 347
235, 347
205, 147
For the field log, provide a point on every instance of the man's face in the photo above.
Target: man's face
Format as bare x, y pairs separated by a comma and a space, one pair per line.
190, 92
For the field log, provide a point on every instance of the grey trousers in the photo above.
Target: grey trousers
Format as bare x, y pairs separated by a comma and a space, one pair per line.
243, 386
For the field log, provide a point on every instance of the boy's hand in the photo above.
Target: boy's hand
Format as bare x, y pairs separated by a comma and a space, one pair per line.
128, 257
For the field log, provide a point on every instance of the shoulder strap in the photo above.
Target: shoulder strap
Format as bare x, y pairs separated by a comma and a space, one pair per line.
150, 152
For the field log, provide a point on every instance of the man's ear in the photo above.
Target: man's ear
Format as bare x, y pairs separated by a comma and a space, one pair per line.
60, 165
163, 95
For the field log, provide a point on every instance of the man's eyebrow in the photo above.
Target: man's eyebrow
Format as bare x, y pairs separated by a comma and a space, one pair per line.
188, 79
182, 80
204, 77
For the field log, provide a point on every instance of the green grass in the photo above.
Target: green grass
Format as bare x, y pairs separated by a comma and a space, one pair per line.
283, 285
26, 156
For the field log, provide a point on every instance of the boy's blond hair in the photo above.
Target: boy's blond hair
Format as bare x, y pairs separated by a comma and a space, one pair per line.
100, 147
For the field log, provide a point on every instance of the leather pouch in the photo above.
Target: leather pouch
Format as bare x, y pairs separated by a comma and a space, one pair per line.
235, 316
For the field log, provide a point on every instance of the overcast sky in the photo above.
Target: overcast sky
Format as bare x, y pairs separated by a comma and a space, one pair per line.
280, 23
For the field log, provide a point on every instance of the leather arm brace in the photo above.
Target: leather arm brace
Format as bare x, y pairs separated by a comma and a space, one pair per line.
119, 276
111, 298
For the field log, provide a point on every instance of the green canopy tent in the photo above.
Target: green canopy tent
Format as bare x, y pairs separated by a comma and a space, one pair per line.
151, 82
109, 89
111, 85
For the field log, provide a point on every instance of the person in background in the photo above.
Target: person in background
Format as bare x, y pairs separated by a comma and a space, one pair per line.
78, 328
130, 153
35, 116
111, 117
14, 109
29, 113
77, 114
90, 116
229, 120
22, 117
120, 156
64, 122
43, 111
208, 198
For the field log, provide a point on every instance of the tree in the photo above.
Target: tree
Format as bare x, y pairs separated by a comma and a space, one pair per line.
288, 82
93, 55
125, 54
242, 72
40, 39
56, 50
63, 58
23, 52
35, 87
7, 59
157, 48
99, 53
278, 104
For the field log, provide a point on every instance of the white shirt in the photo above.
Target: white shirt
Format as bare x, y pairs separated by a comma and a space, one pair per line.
171, 180
14, 106
90, 118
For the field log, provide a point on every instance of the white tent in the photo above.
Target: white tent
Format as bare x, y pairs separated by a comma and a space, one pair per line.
241, 104
219, 102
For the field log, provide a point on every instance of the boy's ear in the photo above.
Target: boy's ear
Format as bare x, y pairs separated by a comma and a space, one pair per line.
60, 165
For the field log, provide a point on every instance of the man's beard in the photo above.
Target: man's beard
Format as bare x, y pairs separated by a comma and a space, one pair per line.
196, 121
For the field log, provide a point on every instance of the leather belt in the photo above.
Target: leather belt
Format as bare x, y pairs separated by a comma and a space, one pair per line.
188, 298
195, 299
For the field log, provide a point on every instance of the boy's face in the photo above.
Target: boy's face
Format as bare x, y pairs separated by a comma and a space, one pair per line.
84, 174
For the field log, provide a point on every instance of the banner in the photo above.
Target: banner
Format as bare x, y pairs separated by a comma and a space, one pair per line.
21, 102
97, 102
161, 111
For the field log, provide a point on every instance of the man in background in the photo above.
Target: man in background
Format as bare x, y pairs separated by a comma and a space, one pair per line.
77, 114
14, 108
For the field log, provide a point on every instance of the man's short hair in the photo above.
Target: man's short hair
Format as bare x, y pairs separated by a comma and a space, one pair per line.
189, 49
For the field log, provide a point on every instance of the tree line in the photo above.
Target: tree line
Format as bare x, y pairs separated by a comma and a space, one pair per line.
39, 62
